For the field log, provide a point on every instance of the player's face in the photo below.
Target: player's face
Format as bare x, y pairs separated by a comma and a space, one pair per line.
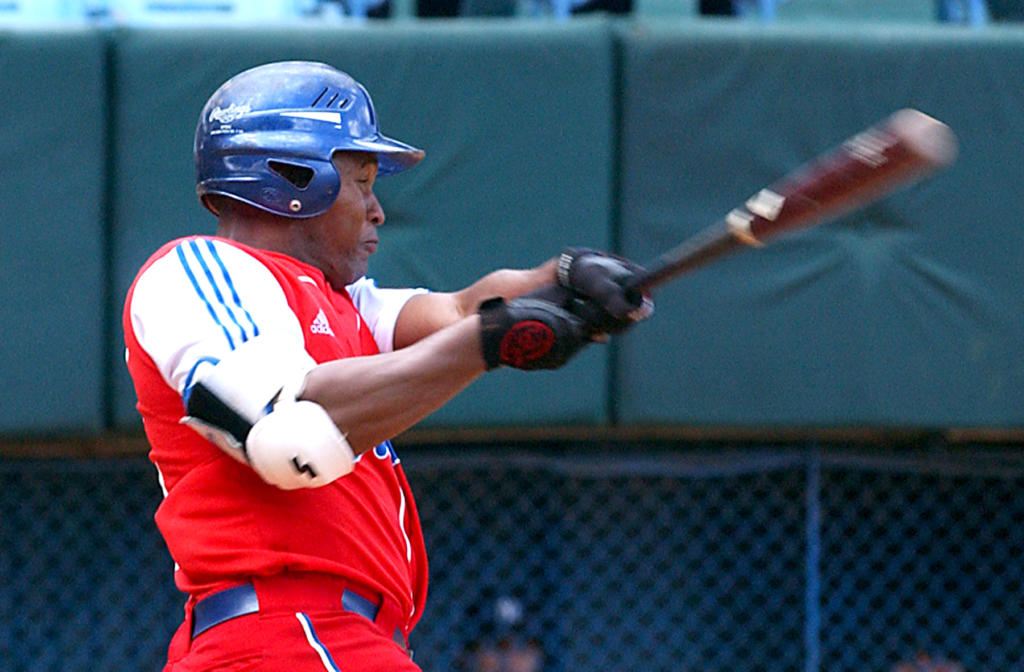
341, 240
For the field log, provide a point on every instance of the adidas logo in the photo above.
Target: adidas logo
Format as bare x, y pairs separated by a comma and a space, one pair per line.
320, 324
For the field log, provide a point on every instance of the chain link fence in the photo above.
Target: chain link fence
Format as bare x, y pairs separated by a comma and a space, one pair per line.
647, 556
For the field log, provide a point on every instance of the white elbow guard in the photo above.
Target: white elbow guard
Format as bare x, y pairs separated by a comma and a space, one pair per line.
247, 404
298, 446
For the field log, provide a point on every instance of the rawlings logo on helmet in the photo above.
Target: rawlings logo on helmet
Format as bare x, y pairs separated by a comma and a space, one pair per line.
229, 114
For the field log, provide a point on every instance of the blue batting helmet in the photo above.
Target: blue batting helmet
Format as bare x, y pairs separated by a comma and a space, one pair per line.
266, 137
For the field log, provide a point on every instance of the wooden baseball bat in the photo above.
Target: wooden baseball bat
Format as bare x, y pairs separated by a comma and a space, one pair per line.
893, 153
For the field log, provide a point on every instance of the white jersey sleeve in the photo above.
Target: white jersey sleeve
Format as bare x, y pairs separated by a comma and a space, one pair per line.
202, 300
380, 308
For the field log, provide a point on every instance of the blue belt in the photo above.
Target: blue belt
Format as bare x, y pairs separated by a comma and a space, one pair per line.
223, 606
241, 601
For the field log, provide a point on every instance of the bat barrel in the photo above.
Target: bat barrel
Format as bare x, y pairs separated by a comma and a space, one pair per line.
900, 149
891, 154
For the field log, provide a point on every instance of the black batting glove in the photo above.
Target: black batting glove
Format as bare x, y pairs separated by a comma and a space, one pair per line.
596, 321
529, 333
602, 279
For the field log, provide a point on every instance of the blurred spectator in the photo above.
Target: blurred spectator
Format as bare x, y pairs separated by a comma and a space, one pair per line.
503, 646
1006, 10
924, 662
339, 9
437, 8
452, 8
974, 12
507, 655
716, 7
609, 6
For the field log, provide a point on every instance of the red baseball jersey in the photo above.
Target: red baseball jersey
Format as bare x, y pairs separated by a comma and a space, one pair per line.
195, 300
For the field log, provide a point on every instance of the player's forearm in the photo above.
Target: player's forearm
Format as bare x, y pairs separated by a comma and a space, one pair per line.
374, 398
507, 283
426, 314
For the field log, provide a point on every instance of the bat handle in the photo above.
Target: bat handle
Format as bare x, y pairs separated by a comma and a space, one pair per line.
710, 243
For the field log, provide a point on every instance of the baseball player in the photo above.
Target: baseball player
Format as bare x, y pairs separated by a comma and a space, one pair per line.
271, 372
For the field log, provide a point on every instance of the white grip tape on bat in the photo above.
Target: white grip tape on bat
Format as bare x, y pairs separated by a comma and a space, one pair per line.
247, 404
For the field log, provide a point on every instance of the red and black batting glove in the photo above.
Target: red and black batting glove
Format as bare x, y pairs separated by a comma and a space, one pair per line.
603, 280
529, 333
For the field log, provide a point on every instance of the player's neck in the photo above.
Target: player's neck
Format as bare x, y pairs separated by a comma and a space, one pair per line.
261, 233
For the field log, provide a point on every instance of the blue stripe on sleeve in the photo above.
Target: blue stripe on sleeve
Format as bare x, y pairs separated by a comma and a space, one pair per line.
202, 296
216, 289
231, 286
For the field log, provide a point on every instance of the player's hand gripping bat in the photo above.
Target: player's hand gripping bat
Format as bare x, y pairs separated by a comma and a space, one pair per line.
895, 152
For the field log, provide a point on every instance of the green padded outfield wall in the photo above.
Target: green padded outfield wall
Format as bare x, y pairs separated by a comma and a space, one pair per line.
52, 165
517, 123
907, 314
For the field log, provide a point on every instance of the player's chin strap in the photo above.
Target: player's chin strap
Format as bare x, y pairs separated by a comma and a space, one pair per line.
247, 404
